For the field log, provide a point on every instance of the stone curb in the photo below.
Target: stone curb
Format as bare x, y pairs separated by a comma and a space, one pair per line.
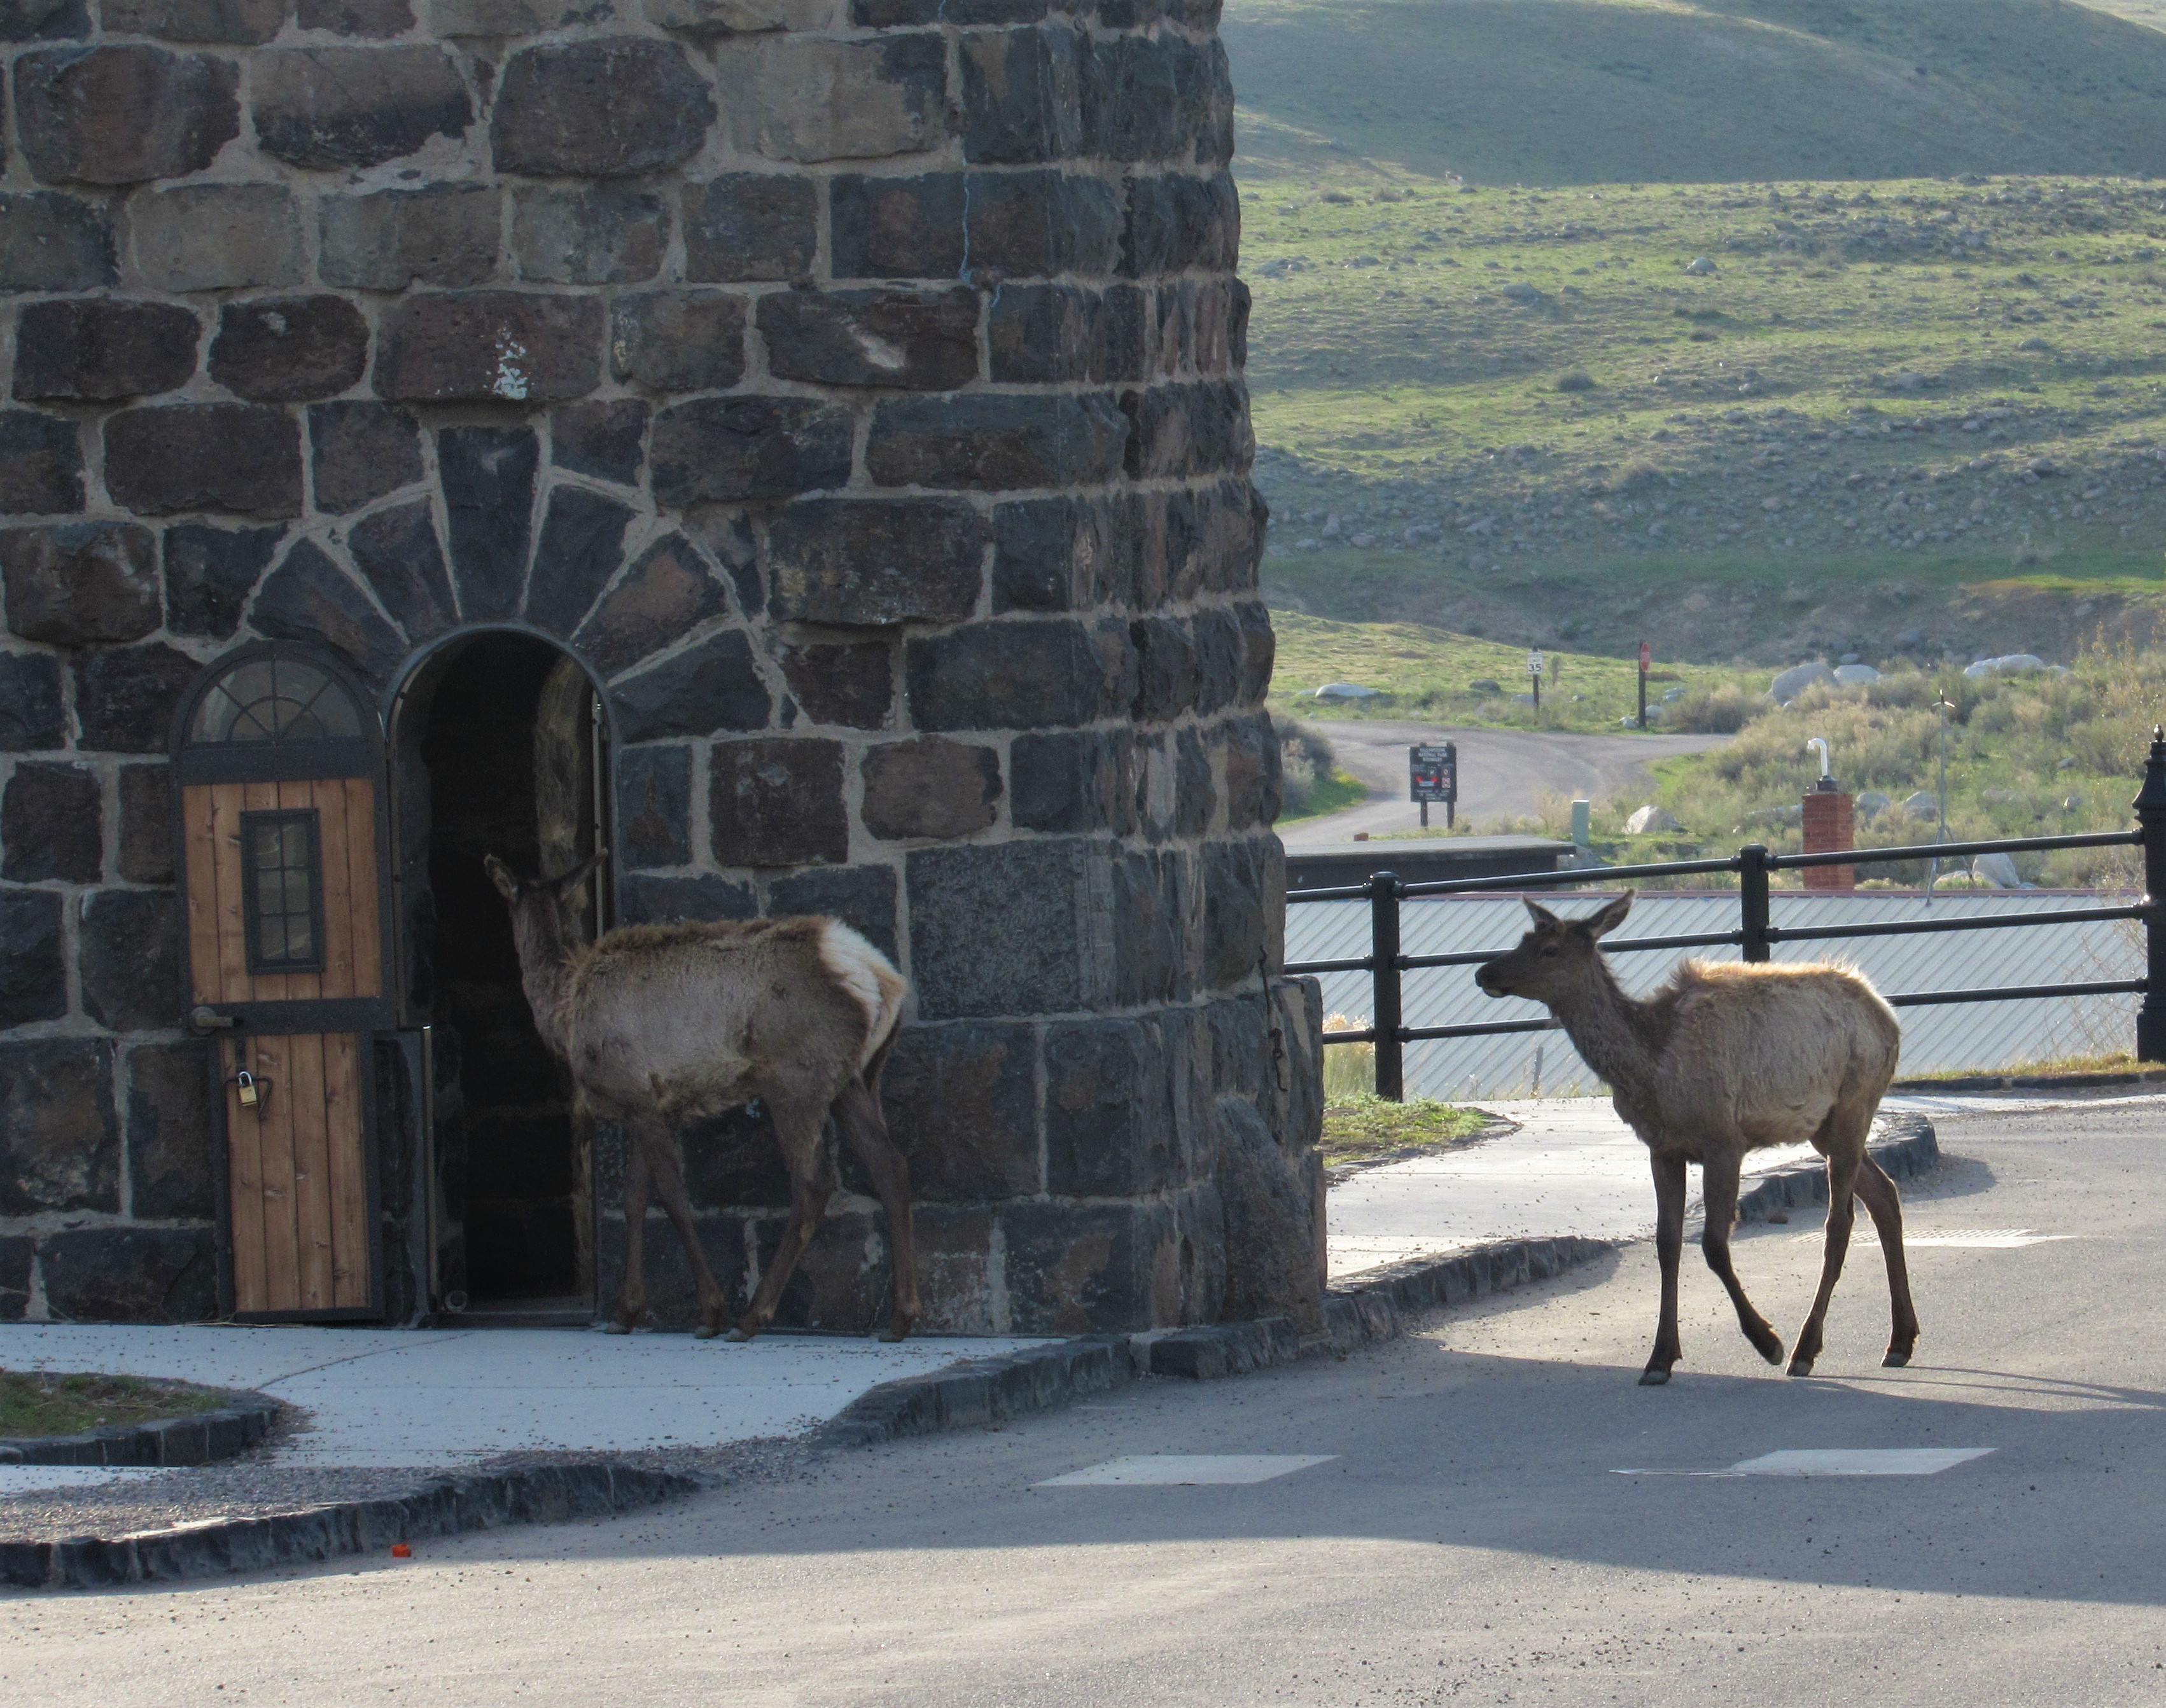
2035, 1082
442, 1507
990, 1390
200, 1439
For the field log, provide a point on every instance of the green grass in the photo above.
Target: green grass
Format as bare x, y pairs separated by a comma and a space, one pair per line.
38, 1404
1364, 1128
1332, 794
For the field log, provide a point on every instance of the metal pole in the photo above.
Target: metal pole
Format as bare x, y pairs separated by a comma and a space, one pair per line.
2151, 815
1424, 807
1384, 948
1643, 696
1752, 900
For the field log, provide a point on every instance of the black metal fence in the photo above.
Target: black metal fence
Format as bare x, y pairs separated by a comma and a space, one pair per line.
1755, 937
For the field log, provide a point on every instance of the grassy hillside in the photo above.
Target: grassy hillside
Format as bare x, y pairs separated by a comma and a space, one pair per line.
1584, 92
1922, 415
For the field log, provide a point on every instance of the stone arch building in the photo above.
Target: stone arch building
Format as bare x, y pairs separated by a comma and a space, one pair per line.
796, 446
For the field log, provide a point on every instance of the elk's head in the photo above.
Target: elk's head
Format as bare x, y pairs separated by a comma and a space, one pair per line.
1555, 958
539, 905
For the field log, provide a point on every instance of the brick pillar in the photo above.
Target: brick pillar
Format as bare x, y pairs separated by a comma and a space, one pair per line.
1828, 826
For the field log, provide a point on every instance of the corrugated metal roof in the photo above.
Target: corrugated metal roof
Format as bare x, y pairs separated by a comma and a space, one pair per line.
1977, 1036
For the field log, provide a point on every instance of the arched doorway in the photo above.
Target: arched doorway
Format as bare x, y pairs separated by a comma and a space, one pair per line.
499, 747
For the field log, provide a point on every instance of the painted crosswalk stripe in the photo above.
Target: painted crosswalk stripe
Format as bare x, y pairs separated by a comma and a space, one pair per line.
1960, 1239
1838, 1462
1166, 1470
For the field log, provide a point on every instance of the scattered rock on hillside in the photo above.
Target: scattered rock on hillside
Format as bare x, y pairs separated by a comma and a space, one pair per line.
1855, 675
1997, 870
1871, 803
1921, 804
1700, 266
1348, 691
2008, 664
1795, 681
1652, 817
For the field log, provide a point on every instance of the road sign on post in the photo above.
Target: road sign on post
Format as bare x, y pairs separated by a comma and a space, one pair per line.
1647, 658
1433, 775
1534, 673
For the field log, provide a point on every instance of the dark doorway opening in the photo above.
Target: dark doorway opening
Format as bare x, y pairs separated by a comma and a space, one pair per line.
505, 730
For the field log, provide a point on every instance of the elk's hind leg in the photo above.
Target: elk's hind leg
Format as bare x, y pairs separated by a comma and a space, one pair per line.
632, 1294
654, 1138
1884, 1204
1669, 1247
857, 1116
1843, 1161
811, 1168
1719, 1193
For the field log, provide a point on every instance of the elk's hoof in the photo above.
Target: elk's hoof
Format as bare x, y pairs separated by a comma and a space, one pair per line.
705, 1331
1653, 1379
1801, 1367
898, 1328
1769, 1345
1895, 1361
736, 1336
616, 1328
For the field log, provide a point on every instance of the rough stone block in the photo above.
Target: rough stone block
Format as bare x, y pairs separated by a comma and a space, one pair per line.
1249, 763
147, 824
59, 1145
217, 237
1039, 335
1274, 1256
996, 441
18, 1251
802, 99
1085, 1269
1243, 921
588, 234
728, 450
362, 452
121, 1274
329, 107
125, 696
131, 959
244, 458
41, 464
289, 350
1022, 94
1258, 650
1189, 430
1109, 1128
1053, 953
616, 106
778, 802
1025, 225
96, 350
210, 573
606, 439
44, 20
308, 598
649, 900
51, 825
80, 583
507, 17
31, 718
487, 474
397, 555
385, 240
374, 20
681, 341
1148, 97
654, 805
1165, 668
1027, 674
1153, 901
750, 225
245, 23
51, 242
668, 593
122, 113
902, 340
930, 787
890, 14
1196, 788
712, 685
898, 228
726, 537
963, 1099
489, 346
862, 896
1219, 645
33, 970
853, 685
841, 1283
1072, 781
1177, 223
582, 546
738, 17
853, 562
169, 1123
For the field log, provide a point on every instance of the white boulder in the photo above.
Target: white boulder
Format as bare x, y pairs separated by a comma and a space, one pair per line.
1795, 681
1997, 870
1652, 817
1855, 675
1348, 691
2008, 664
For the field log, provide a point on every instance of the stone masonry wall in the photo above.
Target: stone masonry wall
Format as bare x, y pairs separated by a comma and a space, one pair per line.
853, 384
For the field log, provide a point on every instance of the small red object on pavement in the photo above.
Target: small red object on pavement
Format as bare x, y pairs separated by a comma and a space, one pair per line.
400, 1551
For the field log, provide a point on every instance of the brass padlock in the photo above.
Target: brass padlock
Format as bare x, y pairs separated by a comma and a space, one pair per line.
250, 1090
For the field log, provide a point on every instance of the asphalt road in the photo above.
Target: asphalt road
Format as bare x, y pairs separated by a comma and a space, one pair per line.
1468, 1541
1502, 773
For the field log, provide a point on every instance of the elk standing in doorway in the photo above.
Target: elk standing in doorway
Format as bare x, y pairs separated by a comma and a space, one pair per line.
1722, 1060
664, 1024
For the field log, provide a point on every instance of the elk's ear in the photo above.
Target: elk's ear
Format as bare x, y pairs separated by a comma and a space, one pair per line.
1602, 924
1543, 916
577, 875
500, 875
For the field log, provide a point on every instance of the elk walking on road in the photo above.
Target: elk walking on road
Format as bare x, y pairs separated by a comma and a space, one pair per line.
660, 1024
1726, 1059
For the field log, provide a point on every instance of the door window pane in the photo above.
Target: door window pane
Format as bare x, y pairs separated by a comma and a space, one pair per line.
282, 884
275, 700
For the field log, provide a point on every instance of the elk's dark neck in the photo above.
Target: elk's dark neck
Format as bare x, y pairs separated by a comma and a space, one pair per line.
1619, 1038
543, 952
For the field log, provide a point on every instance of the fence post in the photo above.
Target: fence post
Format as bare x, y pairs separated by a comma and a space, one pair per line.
2151, 816
1752, 900
1384, 950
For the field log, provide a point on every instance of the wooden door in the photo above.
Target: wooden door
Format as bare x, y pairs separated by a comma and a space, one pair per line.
282, 855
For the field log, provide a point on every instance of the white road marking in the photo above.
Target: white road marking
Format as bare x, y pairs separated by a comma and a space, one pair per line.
1838, 1462
1960, 1239
1166, 1470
